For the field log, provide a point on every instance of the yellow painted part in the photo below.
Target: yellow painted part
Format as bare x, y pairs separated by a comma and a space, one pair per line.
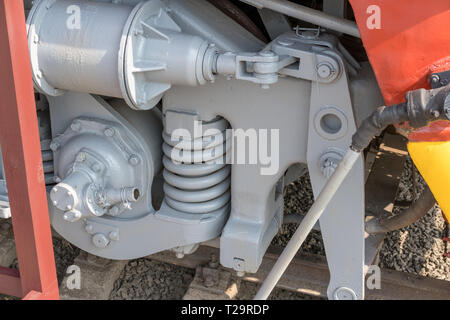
433, 161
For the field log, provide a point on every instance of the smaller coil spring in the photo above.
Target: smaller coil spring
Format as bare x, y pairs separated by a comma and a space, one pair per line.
196, 174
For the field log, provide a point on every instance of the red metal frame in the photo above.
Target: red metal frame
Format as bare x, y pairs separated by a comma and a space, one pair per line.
19, 140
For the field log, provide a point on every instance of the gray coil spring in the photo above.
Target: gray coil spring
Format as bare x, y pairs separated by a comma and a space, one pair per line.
197, 176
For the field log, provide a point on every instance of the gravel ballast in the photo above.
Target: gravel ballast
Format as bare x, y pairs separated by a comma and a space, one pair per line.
417, 249
144, 279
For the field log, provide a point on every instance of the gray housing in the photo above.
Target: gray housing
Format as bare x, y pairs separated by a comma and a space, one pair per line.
316, 105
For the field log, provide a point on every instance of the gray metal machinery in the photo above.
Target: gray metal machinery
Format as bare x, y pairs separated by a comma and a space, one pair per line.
172, 90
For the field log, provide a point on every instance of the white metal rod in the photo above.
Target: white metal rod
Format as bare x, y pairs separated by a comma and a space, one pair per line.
307, 14
307, 224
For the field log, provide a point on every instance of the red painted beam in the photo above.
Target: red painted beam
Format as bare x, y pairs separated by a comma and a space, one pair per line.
19, 140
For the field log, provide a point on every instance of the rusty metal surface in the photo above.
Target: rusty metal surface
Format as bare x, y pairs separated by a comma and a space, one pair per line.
382, 183
383, 178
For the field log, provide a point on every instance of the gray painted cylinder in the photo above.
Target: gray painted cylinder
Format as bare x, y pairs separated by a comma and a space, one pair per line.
75, 45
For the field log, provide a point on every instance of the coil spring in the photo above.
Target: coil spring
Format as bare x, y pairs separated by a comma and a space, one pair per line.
197, 176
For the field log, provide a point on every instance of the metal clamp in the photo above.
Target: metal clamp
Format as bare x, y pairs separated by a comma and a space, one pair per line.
261, 68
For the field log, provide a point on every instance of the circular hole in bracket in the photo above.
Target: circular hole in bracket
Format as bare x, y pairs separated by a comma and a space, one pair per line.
331, 123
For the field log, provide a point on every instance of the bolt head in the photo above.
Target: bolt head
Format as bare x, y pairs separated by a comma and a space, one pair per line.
54, 146
435, 78
109, 132
285, 42
72, 216
113, 235
134, 160
266, 53
100, 240
324, 70
76, 126
89, 228
344, 293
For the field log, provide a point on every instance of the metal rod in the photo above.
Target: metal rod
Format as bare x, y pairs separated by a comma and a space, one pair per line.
307, 14
311, 218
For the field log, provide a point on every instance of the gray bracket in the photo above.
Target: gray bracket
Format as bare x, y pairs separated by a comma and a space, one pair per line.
342, 223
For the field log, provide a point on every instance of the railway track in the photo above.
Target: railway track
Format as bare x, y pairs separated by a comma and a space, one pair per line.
309, 274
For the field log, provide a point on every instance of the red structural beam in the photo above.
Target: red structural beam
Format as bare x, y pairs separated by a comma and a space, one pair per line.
20, 143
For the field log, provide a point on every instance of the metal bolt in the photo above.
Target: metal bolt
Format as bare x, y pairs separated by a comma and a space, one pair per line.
344, 293
72, 216
113, 235
76, 126
109, 132
435, 78
328, 168
100, 240
266, 53
213, 263
134, 160
209, 282
89, 228
286, 42
324, 70
55, 145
